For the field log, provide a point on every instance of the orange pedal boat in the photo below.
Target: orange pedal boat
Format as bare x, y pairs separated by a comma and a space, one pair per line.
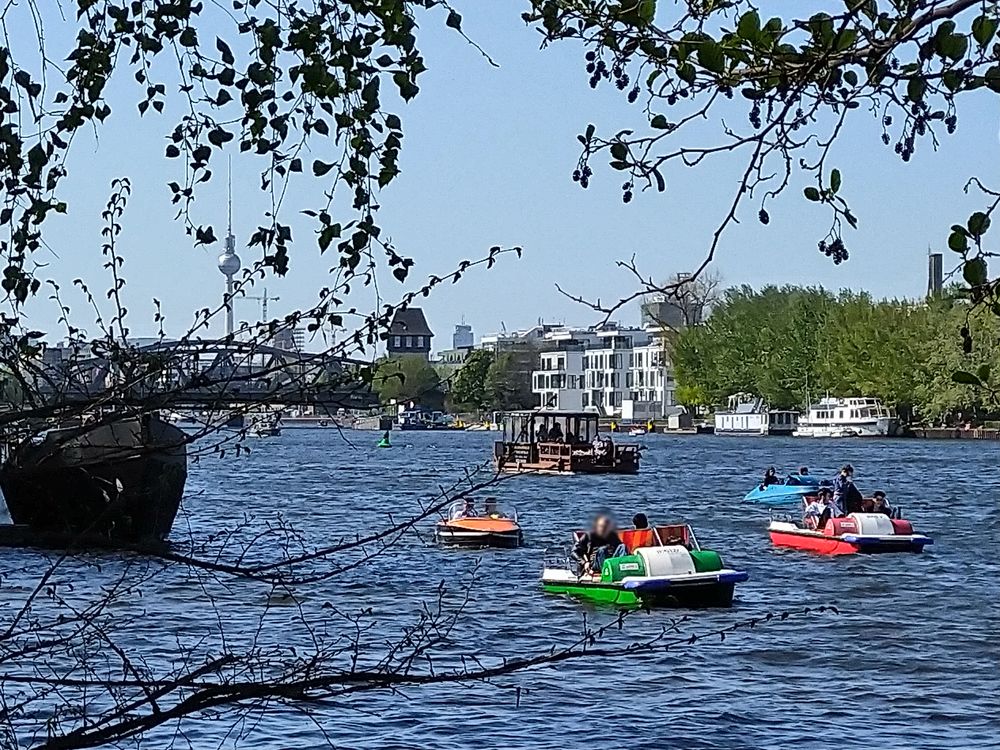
468, 527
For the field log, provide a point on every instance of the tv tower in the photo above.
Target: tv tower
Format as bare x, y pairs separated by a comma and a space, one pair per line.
229, 261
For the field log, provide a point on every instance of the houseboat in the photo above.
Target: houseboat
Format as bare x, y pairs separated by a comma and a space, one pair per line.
560, 442
847, 417
749, 415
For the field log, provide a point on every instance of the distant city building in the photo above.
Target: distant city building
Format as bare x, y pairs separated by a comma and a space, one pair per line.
935, 274
289, 339
687, 306
462, 338
662, 313
409, 334
621, 372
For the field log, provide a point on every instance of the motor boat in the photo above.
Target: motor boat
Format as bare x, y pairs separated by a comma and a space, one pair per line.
467, 526
847, 417
856, 532
791, 489
663, 567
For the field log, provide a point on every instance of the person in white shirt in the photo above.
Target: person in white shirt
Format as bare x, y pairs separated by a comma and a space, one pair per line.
813, 510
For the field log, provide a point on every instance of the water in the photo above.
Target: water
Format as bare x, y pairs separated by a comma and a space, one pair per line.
911, 661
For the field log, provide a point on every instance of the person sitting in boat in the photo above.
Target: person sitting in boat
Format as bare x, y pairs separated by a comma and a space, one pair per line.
813, 511
880, 504
541, 434
598, 545
803, 471
490, 509
831, 508
770, 477
555, 434
639, 521
469, 509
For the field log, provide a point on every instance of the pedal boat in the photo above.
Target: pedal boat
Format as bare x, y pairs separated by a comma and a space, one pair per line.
495, 527
664, 567
792, 489
858, 532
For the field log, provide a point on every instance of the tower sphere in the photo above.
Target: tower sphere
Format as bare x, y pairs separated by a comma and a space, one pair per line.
229, 264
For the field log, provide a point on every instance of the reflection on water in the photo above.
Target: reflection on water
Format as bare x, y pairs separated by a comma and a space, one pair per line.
911, 661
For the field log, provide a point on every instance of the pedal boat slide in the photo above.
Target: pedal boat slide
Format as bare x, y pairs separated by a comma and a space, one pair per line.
857, 532
664, 567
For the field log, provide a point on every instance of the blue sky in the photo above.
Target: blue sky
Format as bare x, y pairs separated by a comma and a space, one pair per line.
487, 158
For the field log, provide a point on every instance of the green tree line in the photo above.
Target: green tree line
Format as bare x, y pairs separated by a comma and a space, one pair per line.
792, 344
484, 382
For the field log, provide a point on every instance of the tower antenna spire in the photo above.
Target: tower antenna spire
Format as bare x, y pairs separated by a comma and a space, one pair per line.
230, 239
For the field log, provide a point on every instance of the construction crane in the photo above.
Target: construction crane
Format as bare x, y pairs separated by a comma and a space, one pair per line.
263, 299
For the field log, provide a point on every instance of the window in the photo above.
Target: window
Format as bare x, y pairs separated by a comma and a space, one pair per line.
585, 399
628, 379
616, 398
396, 342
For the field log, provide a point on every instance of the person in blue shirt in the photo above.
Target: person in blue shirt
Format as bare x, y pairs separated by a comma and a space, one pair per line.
845, 494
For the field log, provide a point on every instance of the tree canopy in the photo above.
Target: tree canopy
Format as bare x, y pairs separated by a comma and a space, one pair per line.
780, 81
407, 378
793, 344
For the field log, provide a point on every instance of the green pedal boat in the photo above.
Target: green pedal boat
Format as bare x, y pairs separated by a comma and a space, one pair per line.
664, 567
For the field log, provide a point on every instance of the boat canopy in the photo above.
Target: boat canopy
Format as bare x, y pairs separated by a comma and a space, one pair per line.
487, 508
523, 426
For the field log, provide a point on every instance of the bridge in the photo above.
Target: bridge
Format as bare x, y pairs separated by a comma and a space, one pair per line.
199, 373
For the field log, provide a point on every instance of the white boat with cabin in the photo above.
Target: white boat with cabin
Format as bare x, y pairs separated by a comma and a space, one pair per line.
847, 417
749, 415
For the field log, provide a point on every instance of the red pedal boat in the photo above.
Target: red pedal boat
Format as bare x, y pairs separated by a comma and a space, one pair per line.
858, 532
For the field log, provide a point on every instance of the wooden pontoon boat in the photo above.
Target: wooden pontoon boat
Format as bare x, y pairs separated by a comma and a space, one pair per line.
560, 442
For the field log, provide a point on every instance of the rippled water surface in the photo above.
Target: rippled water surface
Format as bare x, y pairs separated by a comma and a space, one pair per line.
911, 661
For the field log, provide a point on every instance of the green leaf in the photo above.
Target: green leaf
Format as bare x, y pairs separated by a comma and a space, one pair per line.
659, 122
321, 168
749, 26
983, 373
711, 57
953, 79
952, 47
811, 193
454, 21
965, 378
835, 180
958, 242
978, 224
845, 39
915, 89
850, 78
983, 29
227, 54
619, 151
974, 272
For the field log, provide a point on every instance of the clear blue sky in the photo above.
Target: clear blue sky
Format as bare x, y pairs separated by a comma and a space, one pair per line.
487, 159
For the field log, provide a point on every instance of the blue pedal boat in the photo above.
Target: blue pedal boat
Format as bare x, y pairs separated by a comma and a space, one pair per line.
790, 490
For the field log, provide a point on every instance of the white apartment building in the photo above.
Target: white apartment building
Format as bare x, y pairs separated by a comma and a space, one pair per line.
621, 372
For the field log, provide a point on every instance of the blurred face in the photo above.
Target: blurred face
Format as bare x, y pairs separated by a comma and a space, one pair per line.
602, 525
